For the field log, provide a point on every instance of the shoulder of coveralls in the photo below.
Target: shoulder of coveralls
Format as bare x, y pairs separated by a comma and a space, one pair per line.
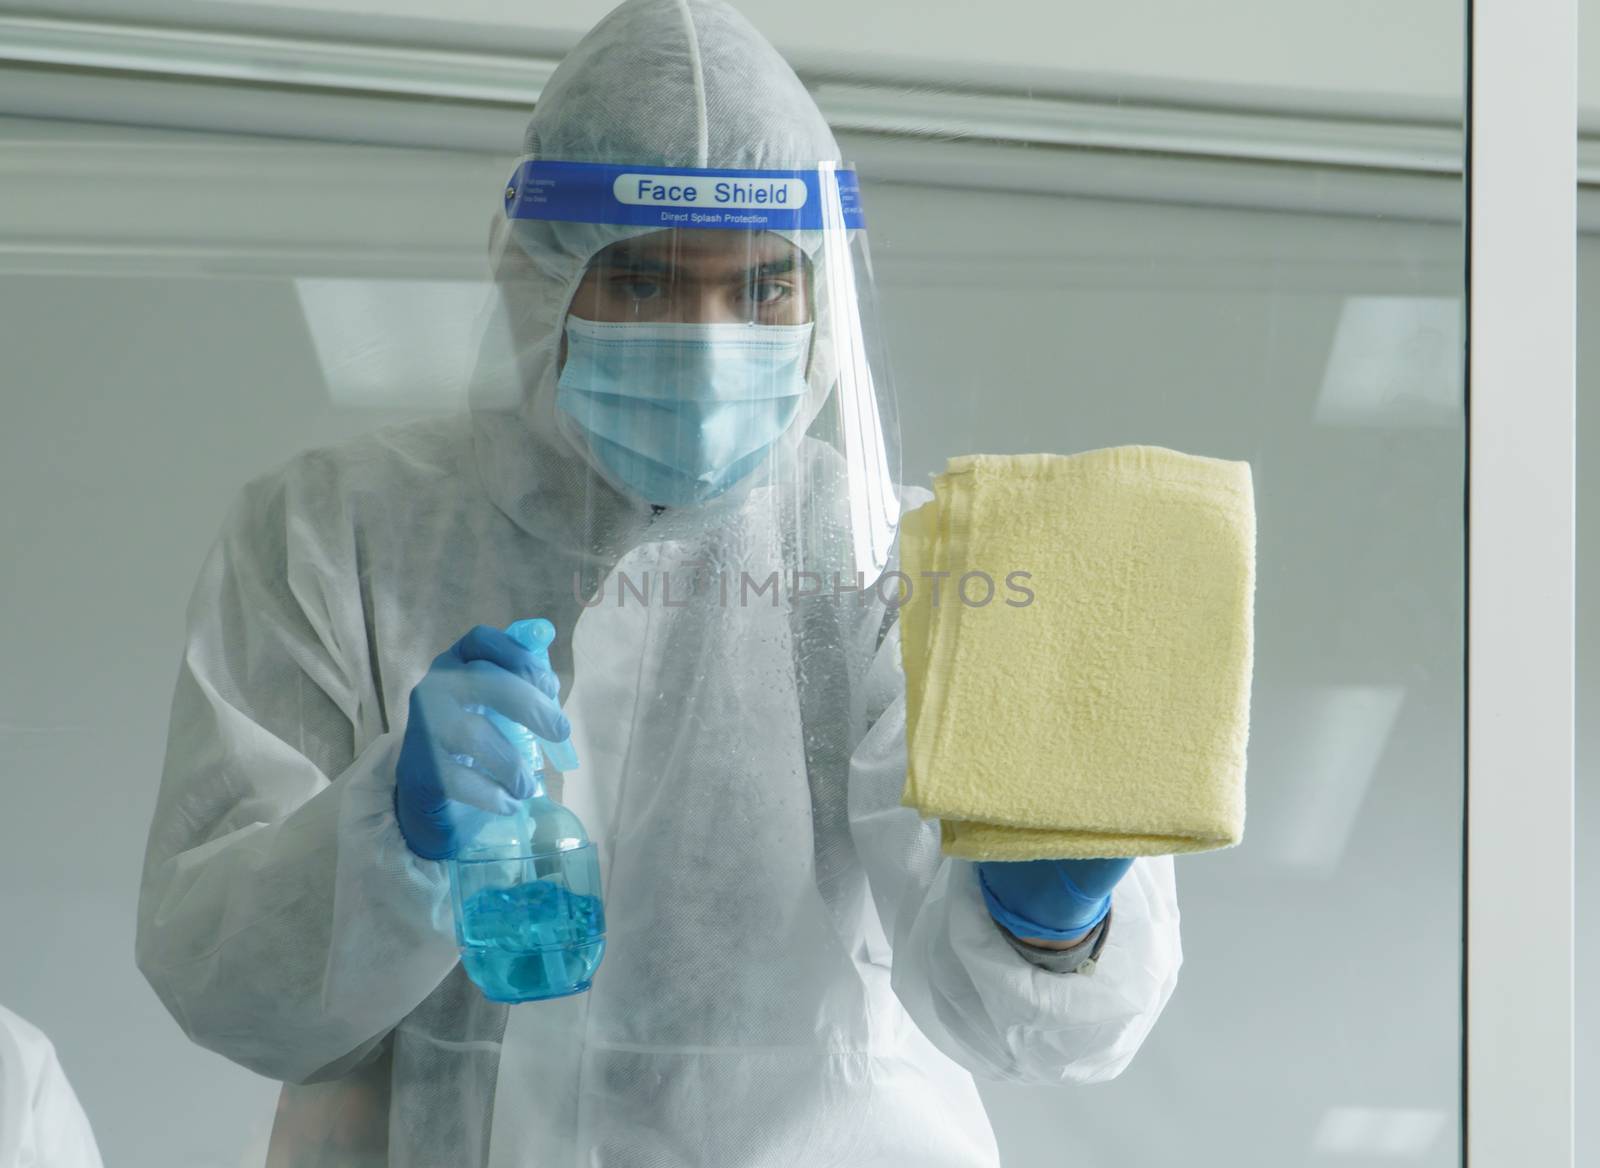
351, 483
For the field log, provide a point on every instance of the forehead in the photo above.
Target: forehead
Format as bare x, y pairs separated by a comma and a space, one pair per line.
701, 249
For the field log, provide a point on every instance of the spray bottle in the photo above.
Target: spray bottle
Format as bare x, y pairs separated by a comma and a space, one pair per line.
526, 886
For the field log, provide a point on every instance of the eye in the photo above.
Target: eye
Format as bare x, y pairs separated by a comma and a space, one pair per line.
637, 287
768, 292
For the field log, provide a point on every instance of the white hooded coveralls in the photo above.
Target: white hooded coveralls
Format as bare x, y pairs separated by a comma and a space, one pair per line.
794, 973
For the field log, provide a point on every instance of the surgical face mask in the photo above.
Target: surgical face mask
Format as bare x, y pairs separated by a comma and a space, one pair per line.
678, 413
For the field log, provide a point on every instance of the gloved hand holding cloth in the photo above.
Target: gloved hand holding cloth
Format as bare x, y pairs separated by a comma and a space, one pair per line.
1095, 701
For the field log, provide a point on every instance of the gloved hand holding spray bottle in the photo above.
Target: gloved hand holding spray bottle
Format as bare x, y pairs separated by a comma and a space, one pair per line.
524, 876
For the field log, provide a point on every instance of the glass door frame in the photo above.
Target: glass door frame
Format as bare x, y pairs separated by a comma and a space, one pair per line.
1519, 1036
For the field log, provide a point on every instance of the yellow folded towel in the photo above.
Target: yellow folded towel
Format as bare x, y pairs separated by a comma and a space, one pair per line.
1106, 714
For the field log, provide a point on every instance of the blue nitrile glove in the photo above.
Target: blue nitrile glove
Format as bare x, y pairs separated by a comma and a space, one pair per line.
456, 769
1056, 900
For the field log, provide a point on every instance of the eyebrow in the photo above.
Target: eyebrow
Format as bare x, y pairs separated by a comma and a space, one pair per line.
629, 262
776, 267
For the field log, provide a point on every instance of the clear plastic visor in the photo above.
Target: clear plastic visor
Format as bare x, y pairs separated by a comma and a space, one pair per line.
707, 340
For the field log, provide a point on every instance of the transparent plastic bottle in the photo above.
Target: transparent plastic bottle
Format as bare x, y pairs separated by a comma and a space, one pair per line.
526, 887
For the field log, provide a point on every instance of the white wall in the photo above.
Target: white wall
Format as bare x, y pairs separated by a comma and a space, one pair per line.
158, 357
1385, 56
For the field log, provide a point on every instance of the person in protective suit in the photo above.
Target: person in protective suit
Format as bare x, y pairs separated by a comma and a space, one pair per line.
794, 973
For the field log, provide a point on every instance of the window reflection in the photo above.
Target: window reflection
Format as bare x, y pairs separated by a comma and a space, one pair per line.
1395, 361
389, 343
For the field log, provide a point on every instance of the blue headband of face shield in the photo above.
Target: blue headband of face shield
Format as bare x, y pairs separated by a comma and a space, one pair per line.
824, 198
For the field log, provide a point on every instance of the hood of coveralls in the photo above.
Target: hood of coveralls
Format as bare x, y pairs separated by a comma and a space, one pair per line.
681, 83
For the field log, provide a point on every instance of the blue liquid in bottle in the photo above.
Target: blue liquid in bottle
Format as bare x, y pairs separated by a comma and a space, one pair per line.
532, 941
526, 887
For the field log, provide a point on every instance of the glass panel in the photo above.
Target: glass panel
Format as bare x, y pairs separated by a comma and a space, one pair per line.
1240, 240
1325, 350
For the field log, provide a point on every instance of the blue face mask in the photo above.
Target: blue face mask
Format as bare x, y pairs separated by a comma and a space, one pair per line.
678, 413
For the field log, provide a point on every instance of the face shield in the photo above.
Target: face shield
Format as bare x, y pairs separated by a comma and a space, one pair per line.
689, 348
